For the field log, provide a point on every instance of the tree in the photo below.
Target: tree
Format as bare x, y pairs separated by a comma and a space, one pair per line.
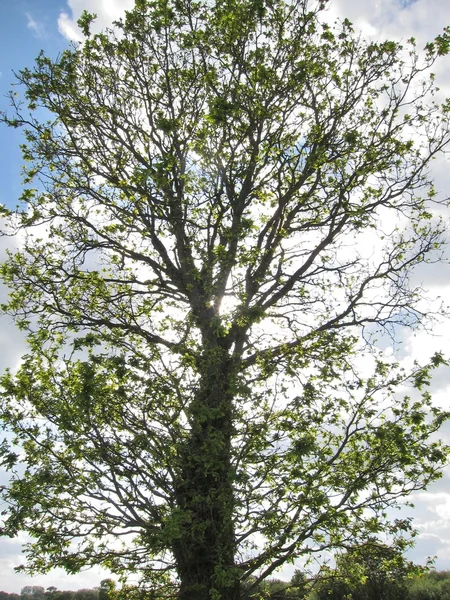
89, 594
66, 595
106, 590
275, 589
434, 585
32, 592
372, 571
197, 184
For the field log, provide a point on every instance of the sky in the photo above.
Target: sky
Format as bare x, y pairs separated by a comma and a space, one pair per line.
27, 26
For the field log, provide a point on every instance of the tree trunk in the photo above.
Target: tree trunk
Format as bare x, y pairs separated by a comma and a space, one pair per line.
205, 549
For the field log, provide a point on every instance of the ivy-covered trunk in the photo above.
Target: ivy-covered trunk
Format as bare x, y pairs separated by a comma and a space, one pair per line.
205, 547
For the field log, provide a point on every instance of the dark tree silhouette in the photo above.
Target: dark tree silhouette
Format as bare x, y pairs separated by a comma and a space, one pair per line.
204, 234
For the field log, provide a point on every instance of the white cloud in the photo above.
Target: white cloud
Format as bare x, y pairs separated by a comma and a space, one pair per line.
432, 520
443, 510
11, 339
36, 27
68, 28
398, 18
107, 11
13, 582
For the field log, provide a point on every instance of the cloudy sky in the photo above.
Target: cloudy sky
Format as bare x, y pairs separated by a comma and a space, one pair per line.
27, 26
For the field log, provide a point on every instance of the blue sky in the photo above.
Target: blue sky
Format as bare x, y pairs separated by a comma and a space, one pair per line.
27, 26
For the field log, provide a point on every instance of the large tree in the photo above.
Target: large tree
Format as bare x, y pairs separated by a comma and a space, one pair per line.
220, 197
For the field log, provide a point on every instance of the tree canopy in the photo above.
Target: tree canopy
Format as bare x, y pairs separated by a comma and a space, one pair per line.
219, 198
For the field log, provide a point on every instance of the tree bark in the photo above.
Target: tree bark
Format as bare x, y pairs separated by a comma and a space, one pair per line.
205, 549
